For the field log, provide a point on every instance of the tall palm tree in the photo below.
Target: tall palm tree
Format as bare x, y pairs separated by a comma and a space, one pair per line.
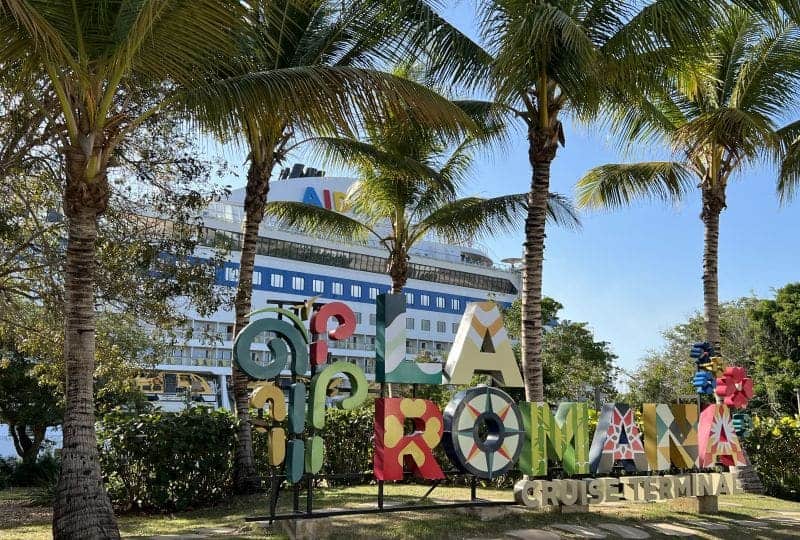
114, 66
547, 59
717, 114
407, 191
327, 51
99, 58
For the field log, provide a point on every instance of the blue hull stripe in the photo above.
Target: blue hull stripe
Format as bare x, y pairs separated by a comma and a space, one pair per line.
452, 303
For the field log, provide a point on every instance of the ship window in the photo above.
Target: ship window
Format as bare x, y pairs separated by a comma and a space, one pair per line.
337, 288
298, 283
425, 325
276, 280
355, 291
342, 259
318, 285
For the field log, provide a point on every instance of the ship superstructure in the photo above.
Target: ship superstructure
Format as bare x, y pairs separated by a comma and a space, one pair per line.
291, 268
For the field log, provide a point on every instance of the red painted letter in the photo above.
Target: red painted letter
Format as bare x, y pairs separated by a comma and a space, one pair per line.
394, 449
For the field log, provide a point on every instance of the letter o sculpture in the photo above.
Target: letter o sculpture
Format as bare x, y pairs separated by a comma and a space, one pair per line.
483, 432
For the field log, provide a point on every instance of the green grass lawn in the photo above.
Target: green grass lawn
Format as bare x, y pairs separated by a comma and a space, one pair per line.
20, 519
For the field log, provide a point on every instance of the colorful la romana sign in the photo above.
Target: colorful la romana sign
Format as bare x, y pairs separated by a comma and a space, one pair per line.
483, 431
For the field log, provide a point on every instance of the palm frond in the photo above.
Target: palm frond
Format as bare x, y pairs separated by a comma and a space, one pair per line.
318, 221
789, 175
767, 77
361, 155
493, 120
168, 39
618, 184
449, 55
530, 38
662, 26
562, 212
323, 99
742, 133
473, 217
45, 26
788, 160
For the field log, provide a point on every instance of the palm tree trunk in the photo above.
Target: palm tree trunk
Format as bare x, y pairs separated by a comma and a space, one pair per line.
713, 204
398, 270
246, 479
541, 153
82, 508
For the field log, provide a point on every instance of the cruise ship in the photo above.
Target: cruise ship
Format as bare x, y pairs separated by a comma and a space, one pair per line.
292, 267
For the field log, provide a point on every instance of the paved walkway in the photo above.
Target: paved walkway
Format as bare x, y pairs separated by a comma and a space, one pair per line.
779, 525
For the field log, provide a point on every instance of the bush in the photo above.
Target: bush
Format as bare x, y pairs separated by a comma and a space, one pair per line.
774, 449
348, 446
7, 466
165, 462
348, 439
41, 474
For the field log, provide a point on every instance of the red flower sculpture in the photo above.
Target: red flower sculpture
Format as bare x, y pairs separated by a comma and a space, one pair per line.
735, 387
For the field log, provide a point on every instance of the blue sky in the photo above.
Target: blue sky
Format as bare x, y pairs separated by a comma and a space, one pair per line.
634, 272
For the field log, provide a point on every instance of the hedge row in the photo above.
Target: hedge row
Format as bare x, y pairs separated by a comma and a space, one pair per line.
176, 461
162, 461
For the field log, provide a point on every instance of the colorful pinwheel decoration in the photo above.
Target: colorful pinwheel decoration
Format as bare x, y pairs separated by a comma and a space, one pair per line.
708, 365
702, 353
742, 424
704, 382
735, 387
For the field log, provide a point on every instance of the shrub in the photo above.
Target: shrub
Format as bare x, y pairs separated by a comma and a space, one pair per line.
41, 474
348, 446
348, 439
163, 461
7, 466
773, 446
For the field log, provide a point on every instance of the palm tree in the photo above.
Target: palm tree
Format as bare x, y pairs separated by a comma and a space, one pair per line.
407, 191
546, 59
113, 66
96, 57
717, 114
326, 51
